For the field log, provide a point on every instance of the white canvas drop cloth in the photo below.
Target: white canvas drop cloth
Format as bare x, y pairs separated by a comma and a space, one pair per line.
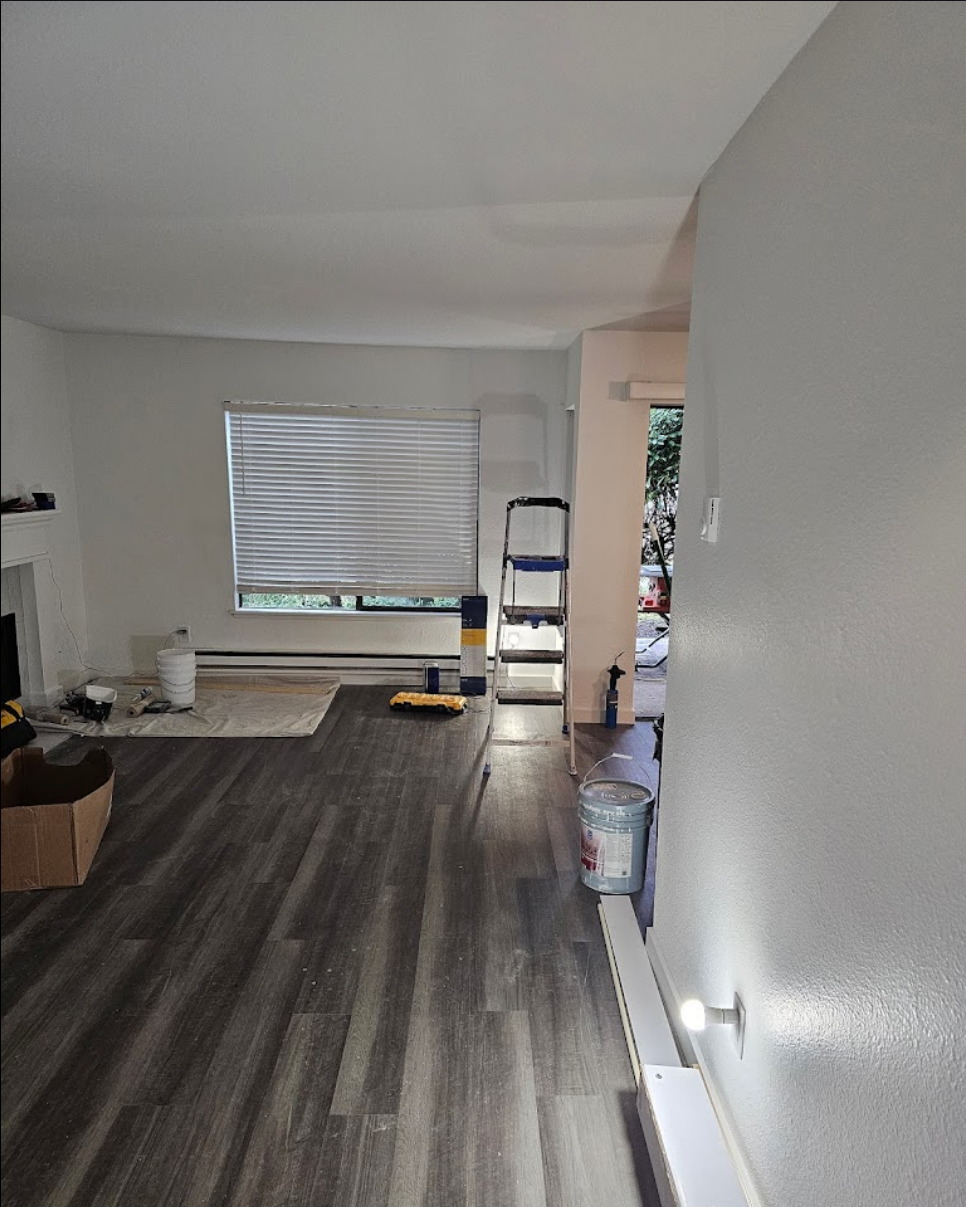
248, 711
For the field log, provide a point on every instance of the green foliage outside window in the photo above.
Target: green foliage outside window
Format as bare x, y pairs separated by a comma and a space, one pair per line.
663, 465
348, 603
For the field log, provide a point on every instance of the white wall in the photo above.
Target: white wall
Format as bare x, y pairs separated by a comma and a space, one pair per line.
813, 833
610, 474
35, 453
150, 454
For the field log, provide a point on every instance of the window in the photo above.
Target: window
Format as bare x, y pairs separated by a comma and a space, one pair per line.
352, 508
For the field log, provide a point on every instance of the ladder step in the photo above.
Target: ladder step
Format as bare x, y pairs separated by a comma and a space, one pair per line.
528, 695
542, 656
546, 563
533, 614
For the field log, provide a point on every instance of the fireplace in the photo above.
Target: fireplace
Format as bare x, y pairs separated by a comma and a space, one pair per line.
10, 685
30, 596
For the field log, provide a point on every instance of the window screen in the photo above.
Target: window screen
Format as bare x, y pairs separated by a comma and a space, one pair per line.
353, 500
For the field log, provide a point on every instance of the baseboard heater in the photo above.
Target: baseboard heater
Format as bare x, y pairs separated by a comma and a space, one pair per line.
693, 1165
401, 670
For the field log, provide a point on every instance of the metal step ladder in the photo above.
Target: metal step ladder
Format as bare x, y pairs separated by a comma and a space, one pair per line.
555, 613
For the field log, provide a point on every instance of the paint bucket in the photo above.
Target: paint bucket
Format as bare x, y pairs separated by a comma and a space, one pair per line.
176, 671
98, 702
431, 677
615, 822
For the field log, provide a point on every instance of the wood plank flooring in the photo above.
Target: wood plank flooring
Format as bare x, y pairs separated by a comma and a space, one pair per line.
324, 972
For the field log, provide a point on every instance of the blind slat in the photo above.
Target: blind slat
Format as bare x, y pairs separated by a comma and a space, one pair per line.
336, 501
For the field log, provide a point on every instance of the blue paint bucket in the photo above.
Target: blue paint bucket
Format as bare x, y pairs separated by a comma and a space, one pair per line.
615, 822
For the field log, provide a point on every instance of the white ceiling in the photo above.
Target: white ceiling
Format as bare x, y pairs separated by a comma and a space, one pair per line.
463, 174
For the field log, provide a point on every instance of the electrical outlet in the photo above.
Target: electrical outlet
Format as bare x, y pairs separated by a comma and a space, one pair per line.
182, 634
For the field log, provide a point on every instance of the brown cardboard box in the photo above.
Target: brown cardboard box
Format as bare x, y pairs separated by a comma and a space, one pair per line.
51, 818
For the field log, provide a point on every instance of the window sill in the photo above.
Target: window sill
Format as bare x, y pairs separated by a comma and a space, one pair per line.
316, 613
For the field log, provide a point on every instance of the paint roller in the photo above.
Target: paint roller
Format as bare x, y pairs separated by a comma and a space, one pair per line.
141, 701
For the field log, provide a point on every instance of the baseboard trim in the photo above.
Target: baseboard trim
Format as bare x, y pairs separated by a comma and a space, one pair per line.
690, 1044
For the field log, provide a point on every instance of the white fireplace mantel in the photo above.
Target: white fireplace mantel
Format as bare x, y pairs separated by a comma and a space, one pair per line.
25, 547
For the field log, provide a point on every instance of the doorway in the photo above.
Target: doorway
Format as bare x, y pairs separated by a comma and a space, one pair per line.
657, 559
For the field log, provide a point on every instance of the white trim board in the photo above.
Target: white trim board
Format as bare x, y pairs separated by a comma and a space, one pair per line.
690, 1044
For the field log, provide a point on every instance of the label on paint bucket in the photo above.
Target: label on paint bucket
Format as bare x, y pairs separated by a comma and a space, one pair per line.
606, 853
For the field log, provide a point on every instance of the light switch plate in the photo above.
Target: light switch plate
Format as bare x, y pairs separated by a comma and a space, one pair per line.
709, 521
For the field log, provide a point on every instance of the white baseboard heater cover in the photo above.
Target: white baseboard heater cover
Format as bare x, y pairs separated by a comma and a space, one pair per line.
401, 670
693, 1165
650, 1039
398, 670
691, 1162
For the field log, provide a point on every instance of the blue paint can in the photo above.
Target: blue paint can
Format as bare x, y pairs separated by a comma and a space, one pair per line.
615, 823
431, 677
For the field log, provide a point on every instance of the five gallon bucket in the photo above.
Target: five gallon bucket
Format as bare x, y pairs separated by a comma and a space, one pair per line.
176, 670
98, 702
615, 821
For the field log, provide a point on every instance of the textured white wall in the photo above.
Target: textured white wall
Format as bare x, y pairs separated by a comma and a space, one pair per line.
149, 444
813, 829
35, 452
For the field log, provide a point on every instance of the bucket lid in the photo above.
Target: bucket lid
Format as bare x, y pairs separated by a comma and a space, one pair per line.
100, 695
608, 793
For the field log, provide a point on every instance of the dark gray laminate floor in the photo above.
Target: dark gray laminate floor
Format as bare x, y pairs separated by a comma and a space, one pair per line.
321, 972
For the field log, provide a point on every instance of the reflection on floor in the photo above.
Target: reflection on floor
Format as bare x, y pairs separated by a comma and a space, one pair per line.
325, 971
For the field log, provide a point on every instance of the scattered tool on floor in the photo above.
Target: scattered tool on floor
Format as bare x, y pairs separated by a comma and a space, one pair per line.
165, 706
428, 702
53, 716
15, 729
611, 697
141, 701
553, 614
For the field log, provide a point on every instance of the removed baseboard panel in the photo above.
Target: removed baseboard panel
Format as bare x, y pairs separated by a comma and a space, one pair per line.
690, 1044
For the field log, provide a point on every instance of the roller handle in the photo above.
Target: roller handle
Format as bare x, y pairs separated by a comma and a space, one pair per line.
529, 501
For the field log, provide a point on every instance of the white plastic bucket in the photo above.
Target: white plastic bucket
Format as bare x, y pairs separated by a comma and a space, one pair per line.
176, 670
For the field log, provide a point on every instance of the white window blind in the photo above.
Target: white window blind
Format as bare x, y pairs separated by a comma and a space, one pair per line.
353, 500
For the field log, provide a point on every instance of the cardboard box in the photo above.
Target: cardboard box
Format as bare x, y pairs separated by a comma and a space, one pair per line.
51, 818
